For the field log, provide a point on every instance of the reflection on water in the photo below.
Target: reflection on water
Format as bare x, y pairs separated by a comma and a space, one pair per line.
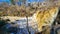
20, 29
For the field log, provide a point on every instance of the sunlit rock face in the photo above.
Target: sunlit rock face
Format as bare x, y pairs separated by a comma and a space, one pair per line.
45, 17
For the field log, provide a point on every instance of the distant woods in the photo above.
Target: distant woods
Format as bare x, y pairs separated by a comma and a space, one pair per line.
16, 11
13, 2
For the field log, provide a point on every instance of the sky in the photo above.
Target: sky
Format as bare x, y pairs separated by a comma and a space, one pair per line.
27, 0
4, 0
8, 1
35, 0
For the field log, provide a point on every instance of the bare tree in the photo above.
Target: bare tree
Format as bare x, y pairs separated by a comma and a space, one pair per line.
53, 2
12, 2
23, 1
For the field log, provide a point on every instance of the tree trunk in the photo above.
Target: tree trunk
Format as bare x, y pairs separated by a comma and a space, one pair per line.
27, 24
